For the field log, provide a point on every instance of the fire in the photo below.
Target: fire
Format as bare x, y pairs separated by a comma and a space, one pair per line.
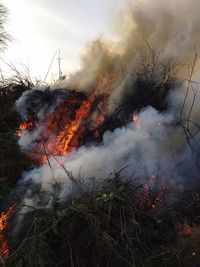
63, 130
186, 230
152, 196
68, 138
4, 217
159, 197
27, 125
135, 118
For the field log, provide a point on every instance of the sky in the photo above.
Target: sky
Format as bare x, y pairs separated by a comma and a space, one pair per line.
41, 27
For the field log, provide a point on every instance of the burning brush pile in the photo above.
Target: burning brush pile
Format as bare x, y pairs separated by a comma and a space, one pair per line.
115, 152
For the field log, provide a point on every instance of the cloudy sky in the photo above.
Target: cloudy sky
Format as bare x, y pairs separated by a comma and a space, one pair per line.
40, 27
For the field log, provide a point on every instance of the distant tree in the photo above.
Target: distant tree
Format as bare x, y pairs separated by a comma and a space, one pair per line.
4, 37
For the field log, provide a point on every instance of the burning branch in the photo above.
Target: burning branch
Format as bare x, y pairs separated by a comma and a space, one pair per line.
4, 217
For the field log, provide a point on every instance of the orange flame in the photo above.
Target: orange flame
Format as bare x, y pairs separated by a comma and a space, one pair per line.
27, 125
66, 139
4, 217
135, 118
69, 137
63, 130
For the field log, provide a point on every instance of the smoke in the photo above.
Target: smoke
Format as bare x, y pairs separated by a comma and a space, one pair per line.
170, 28
39, 101
152, 145
156, 143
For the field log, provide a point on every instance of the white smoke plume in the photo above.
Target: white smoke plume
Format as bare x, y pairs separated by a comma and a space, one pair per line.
157, 141
151, 145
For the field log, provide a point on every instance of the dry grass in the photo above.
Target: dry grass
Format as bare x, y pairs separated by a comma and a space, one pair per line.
109, 227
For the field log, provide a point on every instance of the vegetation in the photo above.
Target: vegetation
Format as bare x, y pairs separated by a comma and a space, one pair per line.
12, 160
112, 226
121, 222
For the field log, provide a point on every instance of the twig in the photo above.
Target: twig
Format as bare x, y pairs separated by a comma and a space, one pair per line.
189, 81
52, 60
2, 261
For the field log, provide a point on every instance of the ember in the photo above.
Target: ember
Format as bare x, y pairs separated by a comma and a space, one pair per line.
135, 118
186, 230
153, 193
